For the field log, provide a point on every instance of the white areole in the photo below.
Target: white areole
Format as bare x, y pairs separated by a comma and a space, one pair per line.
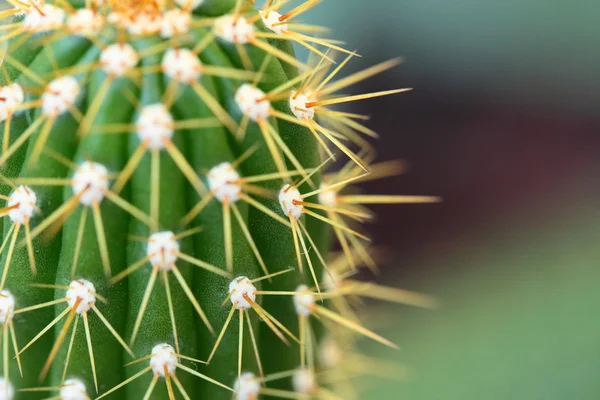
24, 202
85, 22
155, 125
288, 195
162, 250
12, 96
238, 288
304, 301
90, 182
247, 387
182, 65
163, 355
252, 102
223, 181
175, 22
84, 290
234, 29
73, 389
298, 107
272, 21
304, 381
43, 18
7, 306
60, 95
118, 59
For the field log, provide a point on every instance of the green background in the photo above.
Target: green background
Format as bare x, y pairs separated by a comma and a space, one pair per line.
505, 106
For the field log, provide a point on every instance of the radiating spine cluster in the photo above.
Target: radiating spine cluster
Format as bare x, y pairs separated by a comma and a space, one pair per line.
164, 168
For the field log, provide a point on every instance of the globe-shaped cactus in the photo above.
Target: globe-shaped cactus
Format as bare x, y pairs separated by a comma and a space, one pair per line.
167, 169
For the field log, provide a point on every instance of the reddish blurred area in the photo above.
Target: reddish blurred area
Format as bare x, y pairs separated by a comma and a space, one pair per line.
483, 158
503, 115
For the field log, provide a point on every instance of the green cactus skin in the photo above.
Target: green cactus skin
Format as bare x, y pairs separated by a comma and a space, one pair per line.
157, 325
100, 127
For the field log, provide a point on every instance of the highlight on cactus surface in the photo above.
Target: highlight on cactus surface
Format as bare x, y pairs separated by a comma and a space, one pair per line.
215, 165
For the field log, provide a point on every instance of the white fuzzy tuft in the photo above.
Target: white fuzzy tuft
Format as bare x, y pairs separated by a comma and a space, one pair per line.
234, 29
43, 18
298, 106
60, 95
6, 393
252, 102
175, 22
155, 124
182, 65
272, 22
84, 290
163, 247
118, 59
90, 182
163, 355
330, 353
85, 22
24, 200
287, 195
328, 197
304, 303
331, 280
304, 381
247, 387
11, 96
223, 182
239, 287
7, 306
73, 389
143, 23
189, 4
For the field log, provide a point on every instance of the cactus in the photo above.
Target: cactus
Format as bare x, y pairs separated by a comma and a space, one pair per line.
168, 217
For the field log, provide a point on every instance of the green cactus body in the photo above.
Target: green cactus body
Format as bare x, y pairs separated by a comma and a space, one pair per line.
155, 235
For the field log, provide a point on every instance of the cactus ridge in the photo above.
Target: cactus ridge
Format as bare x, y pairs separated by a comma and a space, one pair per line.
174, 180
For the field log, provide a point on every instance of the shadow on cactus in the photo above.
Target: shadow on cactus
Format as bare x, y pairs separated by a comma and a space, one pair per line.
166, 231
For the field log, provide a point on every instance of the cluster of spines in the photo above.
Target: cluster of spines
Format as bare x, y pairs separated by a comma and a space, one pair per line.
110, 26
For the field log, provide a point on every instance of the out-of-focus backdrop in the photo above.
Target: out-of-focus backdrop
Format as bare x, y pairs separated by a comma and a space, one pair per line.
504, 123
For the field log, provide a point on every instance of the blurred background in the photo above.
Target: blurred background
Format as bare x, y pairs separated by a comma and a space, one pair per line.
504, 124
